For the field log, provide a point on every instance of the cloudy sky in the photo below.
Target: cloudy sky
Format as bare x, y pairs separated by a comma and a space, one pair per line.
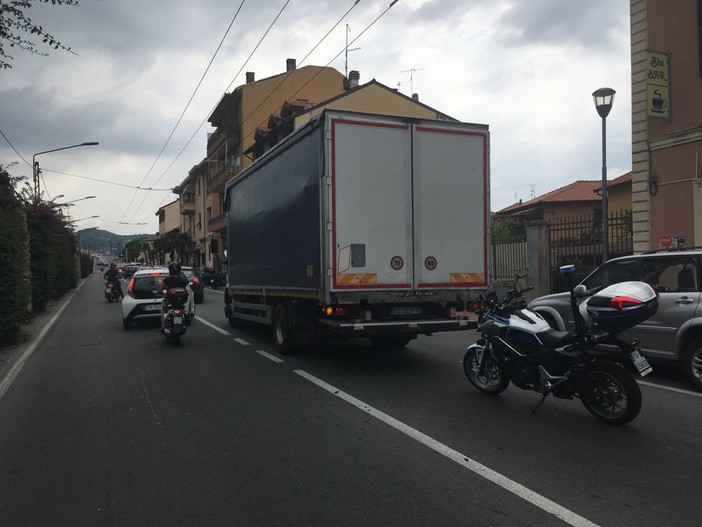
525, 68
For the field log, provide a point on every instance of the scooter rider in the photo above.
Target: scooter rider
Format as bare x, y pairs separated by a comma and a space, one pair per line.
174, 279
111, 275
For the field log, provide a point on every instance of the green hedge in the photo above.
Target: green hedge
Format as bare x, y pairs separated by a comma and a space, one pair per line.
14, 276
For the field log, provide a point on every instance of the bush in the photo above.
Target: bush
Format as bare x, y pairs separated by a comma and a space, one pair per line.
14, 275
86, 264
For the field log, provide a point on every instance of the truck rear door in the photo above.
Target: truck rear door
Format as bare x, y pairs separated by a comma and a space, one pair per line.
408, 204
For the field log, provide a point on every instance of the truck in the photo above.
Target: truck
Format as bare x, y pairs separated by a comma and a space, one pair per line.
360, 225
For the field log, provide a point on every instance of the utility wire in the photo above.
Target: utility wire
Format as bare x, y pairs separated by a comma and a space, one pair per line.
186, 106
109, 182
13, 148
215, 106
287, 76
332, 60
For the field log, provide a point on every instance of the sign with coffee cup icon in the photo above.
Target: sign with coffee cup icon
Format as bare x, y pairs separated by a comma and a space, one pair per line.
658, 84
658, 101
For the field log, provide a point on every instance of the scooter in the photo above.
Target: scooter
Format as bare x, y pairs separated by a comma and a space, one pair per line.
589, 362
175, 319
111, 292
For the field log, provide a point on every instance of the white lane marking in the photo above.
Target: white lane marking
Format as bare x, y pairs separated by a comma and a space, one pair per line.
14, 371
242, 341
269, 356
215, 291
515, 488
670, 388
210, 324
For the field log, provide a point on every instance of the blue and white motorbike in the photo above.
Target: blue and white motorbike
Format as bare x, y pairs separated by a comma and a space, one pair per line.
588, 362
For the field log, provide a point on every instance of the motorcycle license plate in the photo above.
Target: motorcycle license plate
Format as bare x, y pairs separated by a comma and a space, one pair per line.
108, 290
177, 320
640, 363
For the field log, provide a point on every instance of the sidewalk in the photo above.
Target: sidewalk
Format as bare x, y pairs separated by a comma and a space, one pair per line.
10, 353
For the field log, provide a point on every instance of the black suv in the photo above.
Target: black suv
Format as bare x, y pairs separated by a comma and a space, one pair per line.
675, 332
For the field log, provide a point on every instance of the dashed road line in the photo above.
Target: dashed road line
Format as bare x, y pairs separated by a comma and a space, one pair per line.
210, 324
242, 341
670, 388
269, 356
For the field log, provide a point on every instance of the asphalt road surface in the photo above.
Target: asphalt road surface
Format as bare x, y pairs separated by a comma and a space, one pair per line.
109, 427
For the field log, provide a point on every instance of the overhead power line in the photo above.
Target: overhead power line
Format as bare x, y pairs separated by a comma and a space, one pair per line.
205, 120
187, 105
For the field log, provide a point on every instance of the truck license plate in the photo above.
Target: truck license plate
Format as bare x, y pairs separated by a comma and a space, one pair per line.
405, 310
640, 363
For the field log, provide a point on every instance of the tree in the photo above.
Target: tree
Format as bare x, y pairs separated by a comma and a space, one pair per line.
173, 243
132, 250
17, 29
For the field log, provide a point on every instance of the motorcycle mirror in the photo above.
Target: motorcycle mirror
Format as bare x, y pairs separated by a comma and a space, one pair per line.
580, 291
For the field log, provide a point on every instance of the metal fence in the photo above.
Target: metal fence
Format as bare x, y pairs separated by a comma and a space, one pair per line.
578, 241
508, 249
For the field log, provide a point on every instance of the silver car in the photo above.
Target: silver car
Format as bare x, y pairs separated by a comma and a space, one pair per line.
674, 333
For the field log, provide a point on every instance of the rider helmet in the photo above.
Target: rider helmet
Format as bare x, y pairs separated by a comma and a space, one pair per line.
174, 268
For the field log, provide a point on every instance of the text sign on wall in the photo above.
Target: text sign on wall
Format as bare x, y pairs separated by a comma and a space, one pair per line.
658, 84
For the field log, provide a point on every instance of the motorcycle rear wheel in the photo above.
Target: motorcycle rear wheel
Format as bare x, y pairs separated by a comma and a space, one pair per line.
493, 381
610, 393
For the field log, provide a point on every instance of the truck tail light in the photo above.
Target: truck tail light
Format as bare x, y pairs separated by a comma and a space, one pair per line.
336, 311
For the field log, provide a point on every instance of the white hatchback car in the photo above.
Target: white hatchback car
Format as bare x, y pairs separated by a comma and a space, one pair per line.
141, 301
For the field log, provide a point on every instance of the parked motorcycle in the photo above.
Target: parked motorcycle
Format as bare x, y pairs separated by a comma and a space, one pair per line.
588, 362
111, 292
175, 319
218, 280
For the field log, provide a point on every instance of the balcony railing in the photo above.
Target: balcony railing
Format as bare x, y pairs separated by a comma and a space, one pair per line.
217, 223
216, 182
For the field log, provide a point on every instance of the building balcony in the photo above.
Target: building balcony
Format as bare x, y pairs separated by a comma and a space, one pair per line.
187, 203
218, 137
217, 181
217, 223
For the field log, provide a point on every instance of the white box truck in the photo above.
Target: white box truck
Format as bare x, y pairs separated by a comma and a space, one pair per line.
360, 225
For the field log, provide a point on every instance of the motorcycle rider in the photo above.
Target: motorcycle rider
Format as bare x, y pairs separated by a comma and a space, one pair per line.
111, 275
174, 279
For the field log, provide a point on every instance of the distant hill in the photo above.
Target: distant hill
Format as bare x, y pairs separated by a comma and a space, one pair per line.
104, 242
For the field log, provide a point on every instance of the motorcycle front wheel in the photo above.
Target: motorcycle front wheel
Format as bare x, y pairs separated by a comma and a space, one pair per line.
610, 393
493, 380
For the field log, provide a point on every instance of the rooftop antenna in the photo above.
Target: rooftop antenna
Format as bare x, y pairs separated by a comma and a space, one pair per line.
346, 54
411, 72
533, 190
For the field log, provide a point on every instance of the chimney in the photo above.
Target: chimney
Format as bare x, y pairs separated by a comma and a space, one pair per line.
415, 97
290, 65
250, 77
354, 77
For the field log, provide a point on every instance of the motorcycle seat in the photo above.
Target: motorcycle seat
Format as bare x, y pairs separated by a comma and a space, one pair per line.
556, 339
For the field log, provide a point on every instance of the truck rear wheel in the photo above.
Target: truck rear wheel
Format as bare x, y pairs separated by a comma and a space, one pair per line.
282, 331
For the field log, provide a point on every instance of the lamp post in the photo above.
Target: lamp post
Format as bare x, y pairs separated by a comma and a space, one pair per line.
604, 98
83, 219
35, 165
73, 200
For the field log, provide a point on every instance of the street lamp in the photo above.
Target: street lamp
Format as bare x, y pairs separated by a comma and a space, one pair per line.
604, 98
81, 219
35, 165
73, 200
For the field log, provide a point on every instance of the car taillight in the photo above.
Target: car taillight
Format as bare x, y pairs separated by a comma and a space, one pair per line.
130, 288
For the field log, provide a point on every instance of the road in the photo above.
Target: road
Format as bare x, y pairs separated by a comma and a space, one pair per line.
104, 426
